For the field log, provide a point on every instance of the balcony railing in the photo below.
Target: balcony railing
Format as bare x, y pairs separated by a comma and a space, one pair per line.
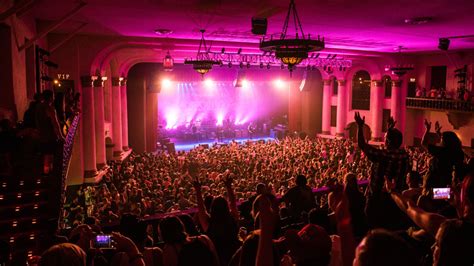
439, 104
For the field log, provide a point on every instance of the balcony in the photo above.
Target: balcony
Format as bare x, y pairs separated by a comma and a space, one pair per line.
440, 104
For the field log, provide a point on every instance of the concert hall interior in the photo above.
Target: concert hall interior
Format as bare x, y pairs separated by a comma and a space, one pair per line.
119, 116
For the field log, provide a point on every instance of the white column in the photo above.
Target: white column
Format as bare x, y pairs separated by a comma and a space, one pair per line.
99, 122
395, 102
376, 109
116, 117
341, 108
327, 96
123, 97
88, 126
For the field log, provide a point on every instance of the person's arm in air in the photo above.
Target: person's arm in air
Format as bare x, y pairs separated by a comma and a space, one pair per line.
425, 139
438, 130
430, 222
265, 242
360, 130
203, 216
230, 192
125, 244
369, 151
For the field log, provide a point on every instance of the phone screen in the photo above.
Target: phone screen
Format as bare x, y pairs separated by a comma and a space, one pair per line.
441, 193
103, 241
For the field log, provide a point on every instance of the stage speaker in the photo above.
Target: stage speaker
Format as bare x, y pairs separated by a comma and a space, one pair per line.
259, 26
443, 44
170, 147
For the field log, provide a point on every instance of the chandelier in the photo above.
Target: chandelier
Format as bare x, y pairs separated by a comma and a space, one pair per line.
203, 62
399, 69
168, 62
292, 50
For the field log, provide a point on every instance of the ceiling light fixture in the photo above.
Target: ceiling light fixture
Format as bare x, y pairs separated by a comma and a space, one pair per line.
400, 69
163, 31
418, 20
292, 50
203, 62
168, 62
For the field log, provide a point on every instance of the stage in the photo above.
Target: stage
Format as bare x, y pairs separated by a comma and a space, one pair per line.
188, 145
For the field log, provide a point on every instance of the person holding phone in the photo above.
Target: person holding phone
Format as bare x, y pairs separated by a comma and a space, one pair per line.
446, 158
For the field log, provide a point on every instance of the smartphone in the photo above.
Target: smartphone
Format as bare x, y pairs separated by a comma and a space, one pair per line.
103, 241
442, 193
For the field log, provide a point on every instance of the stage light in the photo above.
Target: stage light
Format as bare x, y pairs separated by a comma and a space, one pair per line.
209, 83
261, 65
268, 66
248, 65
229, 65
220, 119
245, 84
171, 119
166, 84
241, 65
279, 84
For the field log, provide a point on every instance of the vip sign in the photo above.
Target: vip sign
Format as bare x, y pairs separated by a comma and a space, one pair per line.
63, 76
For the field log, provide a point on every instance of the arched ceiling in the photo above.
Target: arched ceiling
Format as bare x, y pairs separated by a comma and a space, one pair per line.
370, 25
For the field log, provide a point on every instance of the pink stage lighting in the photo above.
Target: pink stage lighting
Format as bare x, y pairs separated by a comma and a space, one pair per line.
166, 84
220, 119
209, 83
245, 84
171, 119
279, 84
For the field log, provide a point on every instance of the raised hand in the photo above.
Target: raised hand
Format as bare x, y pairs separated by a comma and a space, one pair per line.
437, 128
124, 244
360, 121
390, 184
427, 125
391, 122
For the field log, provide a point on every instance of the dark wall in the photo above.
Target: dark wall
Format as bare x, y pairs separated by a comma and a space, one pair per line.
136, 108
7, 97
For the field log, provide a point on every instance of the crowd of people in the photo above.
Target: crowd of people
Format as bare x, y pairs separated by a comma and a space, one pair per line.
42, 131
441, 93
255, 206
154, 183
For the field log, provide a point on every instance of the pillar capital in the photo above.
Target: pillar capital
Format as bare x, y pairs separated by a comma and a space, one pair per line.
327, 82
377, 83
86, 81
396, 83
115, 81
123, 81
119, 81
341, 82
98, 81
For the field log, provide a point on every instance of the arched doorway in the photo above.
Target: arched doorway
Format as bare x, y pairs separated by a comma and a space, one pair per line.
352, 131
361, 90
